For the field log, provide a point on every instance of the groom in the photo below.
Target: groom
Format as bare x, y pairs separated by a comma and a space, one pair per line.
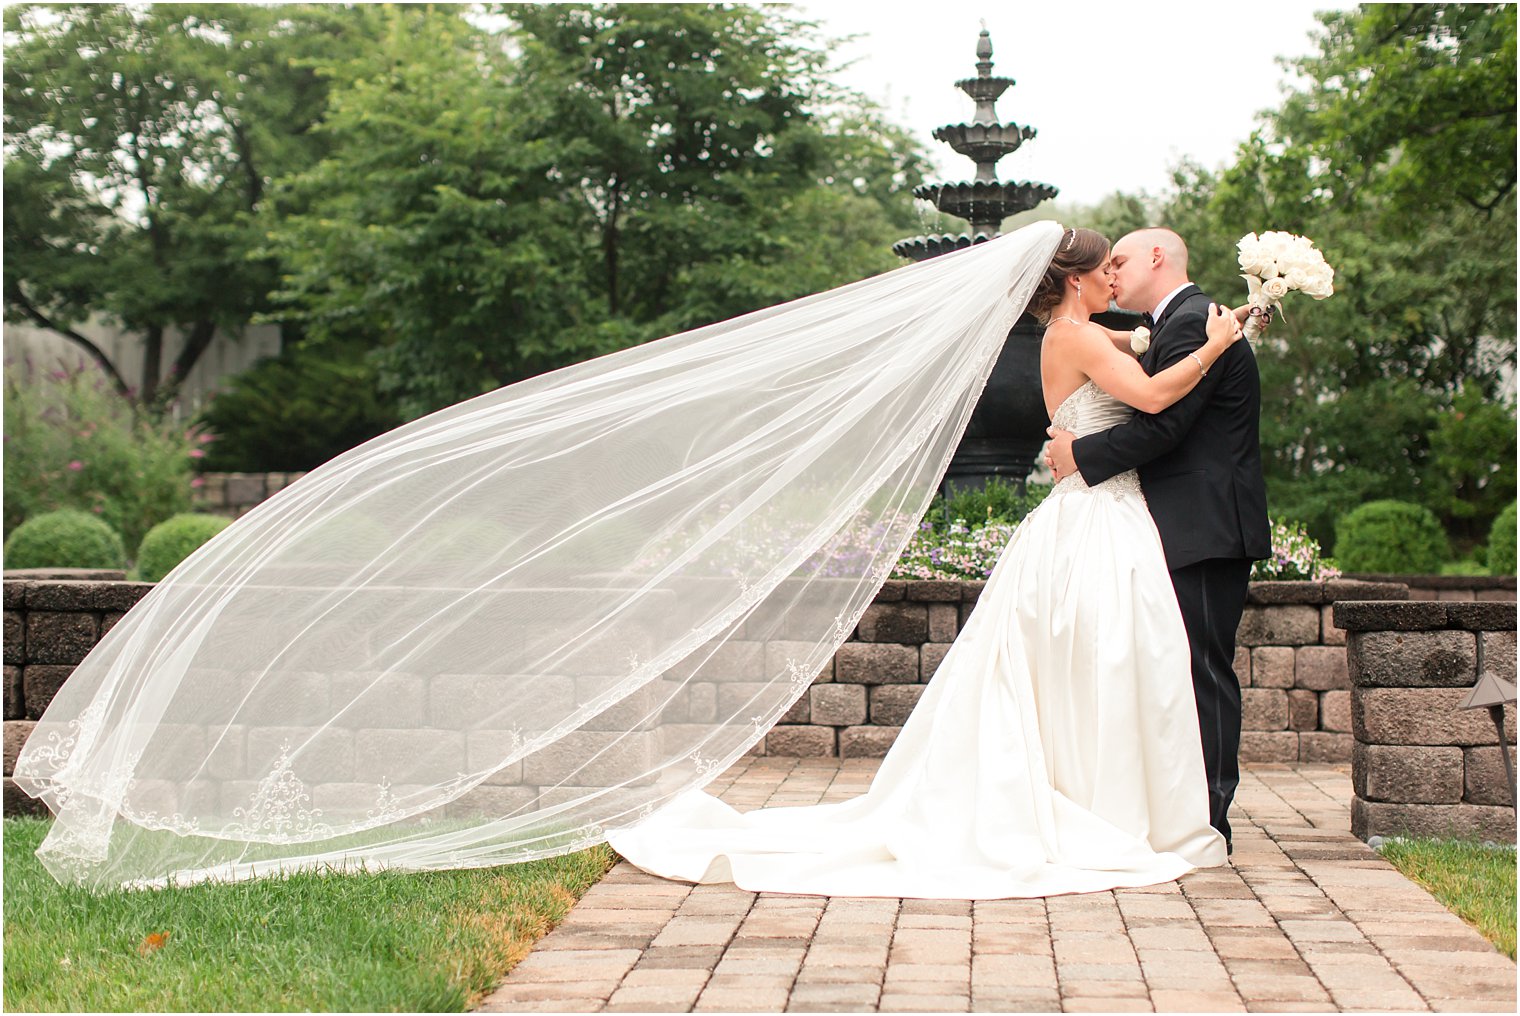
1200, 467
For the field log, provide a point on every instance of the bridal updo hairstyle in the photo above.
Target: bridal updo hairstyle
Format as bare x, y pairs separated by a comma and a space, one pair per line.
1080, 250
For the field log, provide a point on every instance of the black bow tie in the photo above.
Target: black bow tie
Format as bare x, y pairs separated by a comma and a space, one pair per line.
1148, 321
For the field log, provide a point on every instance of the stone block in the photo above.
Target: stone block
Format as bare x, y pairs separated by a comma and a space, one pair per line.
729, 661
590, 758
87, 597
866, 742
1442, 821
383, 699
894, 622
778, 654
801, 742
16, 733
15, 638
1285, 592
1278, 626
1423, 716
1268, 746
1303, 710
244, 489
878, 663
1407, 773
1335, 711
1242, 666
15, 703
891, 591
227, 757
743, 698
931, 655
1263, 709
56, 637
937, 590
839, 705
324, 754
1355, 589
1485, 616
17, 804
485, 749
39, 683
1499, 653
1321, 746
891, 703
1484, 780
639, 709
1497, 595
15, 593
1320, 668
800, 711
491, 802
1412, 659
971, 590
702, 701
1272, 667
1389, 615
108, 621
1329, 634
944, 621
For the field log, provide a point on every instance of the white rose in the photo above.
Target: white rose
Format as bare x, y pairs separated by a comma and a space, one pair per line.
1254, 257
1321, 283
1274, 289
1140, 340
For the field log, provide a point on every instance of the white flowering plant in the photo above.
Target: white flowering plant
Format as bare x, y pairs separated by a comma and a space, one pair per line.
1276, 264
1296, 556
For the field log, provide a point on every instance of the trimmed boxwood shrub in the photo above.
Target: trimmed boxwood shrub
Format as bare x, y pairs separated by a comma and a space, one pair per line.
1501, 543
1390, 536
173, 540
64, 539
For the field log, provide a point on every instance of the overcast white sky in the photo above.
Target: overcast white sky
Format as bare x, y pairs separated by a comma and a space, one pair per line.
1118, 91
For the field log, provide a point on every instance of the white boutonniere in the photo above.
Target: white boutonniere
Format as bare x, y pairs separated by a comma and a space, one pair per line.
1140, 340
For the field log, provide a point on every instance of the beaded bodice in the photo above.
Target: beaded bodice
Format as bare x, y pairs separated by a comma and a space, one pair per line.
1085, 411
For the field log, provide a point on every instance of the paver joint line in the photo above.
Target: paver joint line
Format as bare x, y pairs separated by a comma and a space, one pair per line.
1305, 919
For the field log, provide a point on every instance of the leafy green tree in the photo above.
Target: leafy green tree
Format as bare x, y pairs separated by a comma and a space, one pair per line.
1398, 158
140, 141
593, 176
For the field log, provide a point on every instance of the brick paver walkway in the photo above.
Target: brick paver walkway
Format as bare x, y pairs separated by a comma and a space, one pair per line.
1308, 919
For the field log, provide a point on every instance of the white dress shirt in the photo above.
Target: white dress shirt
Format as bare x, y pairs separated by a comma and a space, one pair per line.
1168, 298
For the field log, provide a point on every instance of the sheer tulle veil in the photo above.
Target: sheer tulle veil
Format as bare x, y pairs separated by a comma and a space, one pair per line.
500, 630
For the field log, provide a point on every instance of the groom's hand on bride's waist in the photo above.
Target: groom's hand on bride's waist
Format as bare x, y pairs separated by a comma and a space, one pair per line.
1058, 454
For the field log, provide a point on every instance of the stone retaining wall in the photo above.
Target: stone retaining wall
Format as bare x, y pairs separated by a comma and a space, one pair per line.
1462, 588
1291, 662
233, 494
1421, 766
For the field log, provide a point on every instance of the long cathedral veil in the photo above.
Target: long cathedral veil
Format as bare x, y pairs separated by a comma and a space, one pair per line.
497, 631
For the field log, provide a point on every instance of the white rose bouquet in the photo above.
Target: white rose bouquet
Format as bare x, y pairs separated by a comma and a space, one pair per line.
1276, 264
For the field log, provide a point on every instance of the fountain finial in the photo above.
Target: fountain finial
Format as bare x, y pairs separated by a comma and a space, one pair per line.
984, 202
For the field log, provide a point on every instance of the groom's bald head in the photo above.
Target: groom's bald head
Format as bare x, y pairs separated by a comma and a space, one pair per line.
1148, 264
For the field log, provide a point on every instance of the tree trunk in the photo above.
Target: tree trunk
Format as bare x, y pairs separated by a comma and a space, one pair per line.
153, 355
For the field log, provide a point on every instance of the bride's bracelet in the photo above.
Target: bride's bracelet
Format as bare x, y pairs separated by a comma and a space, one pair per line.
1202, 370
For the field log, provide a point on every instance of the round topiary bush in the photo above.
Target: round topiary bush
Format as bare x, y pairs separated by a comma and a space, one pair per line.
64, 539
173, 540
1501, 543
1391, 537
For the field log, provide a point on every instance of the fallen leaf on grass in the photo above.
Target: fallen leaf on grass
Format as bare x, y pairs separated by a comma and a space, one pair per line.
152, 943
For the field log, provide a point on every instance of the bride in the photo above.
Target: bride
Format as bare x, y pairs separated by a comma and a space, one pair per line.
1056, 749
549, 615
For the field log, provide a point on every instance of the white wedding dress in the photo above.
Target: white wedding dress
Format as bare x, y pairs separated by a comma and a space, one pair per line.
1056, 750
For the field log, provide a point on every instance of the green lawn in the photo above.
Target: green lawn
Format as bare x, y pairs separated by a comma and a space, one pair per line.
1475, 882
430, 942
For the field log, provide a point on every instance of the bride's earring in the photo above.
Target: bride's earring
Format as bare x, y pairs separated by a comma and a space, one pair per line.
1079, 290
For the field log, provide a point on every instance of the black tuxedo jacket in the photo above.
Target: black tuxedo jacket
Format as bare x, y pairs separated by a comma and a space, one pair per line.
1199, 459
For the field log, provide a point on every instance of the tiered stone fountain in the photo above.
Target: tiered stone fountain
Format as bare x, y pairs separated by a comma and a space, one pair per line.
1007, 429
